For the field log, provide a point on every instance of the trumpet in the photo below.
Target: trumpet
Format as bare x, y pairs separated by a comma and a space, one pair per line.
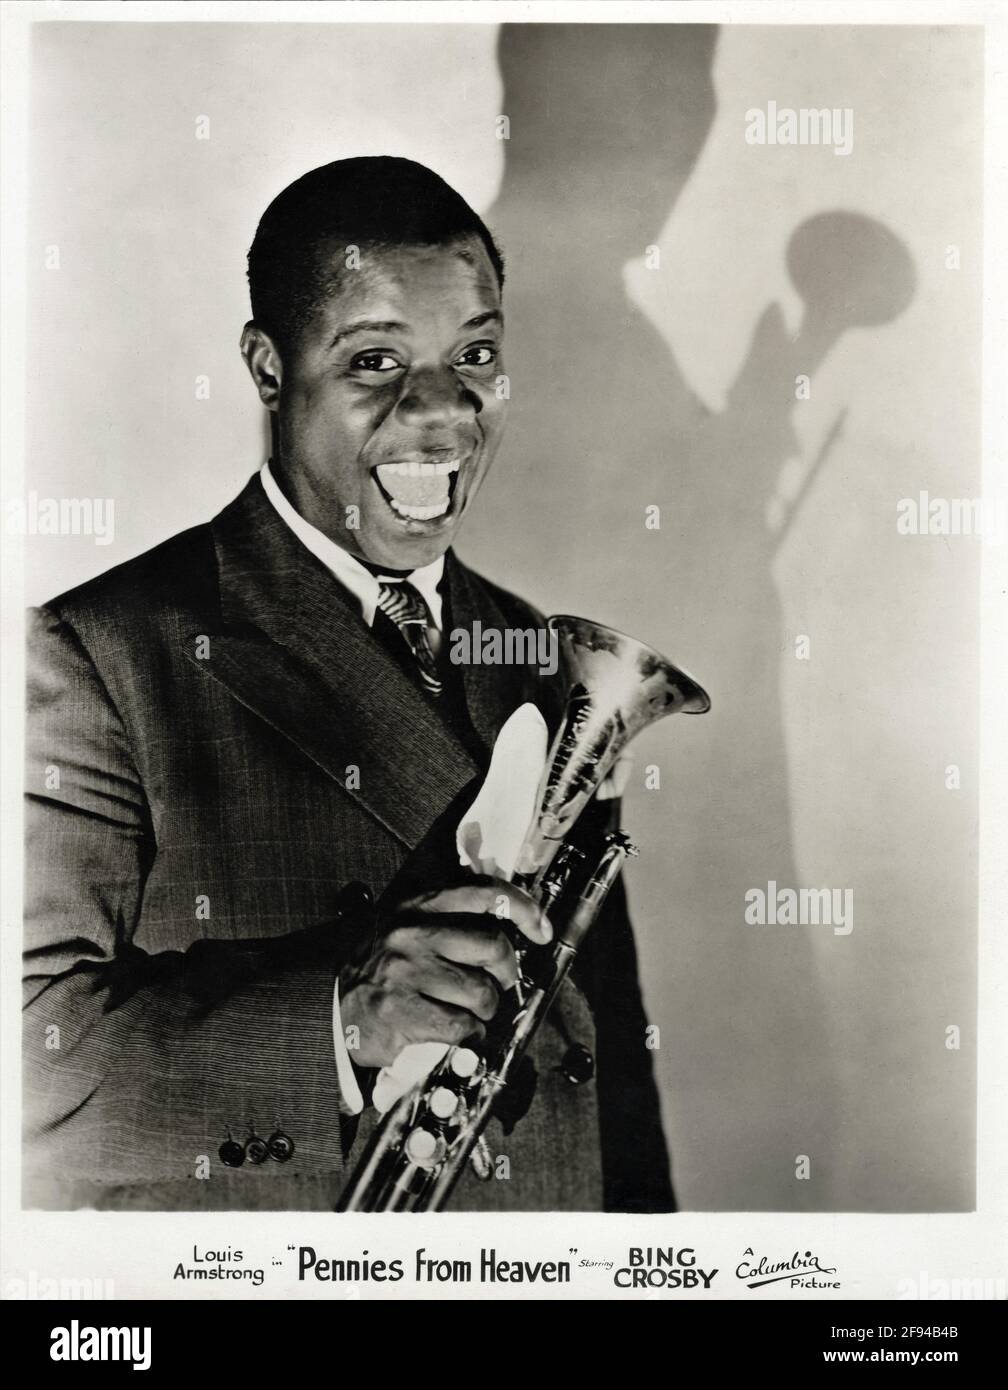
616, 686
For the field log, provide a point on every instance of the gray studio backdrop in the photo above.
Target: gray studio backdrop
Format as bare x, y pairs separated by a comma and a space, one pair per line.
668, 283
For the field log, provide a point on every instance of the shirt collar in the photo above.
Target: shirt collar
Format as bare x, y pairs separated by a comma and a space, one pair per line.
343, 567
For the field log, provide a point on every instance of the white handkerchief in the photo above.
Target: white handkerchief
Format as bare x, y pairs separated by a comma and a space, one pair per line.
489, 836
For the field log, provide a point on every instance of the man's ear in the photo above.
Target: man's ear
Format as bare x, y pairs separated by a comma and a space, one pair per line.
262, 358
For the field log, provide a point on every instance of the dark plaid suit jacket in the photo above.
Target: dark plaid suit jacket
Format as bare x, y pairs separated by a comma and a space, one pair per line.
217, 746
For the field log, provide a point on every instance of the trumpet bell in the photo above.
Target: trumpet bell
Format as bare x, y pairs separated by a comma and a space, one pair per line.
622, 673
616, 687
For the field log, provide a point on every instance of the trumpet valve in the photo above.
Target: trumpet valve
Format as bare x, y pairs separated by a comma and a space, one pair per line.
463, 1063
424, 1148
442, 1103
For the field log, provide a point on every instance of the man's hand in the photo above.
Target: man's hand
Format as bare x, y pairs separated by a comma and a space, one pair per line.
438, 970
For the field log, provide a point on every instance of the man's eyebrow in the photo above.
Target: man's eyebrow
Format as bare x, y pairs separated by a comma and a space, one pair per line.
491, 316
393, 326
370, 326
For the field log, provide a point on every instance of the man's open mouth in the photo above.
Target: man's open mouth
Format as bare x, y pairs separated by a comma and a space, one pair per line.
419, 489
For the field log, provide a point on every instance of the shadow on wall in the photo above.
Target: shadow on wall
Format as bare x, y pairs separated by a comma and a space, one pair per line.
606, 126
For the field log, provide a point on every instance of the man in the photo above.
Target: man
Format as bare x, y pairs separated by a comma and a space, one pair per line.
230, 732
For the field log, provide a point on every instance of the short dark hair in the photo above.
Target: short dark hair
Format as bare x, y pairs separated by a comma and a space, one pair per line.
377, 201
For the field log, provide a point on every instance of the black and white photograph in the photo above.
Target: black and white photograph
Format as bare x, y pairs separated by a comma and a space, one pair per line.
505, 525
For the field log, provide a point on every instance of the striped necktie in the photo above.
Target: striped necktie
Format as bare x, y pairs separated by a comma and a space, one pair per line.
405, 606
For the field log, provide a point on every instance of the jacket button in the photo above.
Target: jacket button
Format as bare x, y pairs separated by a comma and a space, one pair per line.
281, 1146
231, 1154
256, 1149
577, 1064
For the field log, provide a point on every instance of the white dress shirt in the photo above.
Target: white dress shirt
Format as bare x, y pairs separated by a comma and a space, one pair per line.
365, 587
343, 567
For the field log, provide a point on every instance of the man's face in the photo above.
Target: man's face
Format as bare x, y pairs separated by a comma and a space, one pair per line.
388, 412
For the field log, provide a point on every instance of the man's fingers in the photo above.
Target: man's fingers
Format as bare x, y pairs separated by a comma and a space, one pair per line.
469, 941
426, 1020
485, 949
449, 983
495, 898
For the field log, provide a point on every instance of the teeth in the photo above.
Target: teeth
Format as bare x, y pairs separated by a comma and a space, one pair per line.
415, 469
419, 490
420, 513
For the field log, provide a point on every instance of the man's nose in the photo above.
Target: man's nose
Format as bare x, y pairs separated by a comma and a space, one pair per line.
437, 397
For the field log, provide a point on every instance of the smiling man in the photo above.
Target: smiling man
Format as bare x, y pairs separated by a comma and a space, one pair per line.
388, 316
247, 755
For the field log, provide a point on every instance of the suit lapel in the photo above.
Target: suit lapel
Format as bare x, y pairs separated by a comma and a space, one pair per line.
492, 692
292, 648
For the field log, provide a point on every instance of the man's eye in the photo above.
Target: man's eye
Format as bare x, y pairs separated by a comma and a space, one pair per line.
480, 355
374, 362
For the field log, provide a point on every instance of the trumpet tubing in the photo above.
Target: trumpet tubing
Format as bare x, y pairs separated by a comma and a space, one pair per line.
616, 686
